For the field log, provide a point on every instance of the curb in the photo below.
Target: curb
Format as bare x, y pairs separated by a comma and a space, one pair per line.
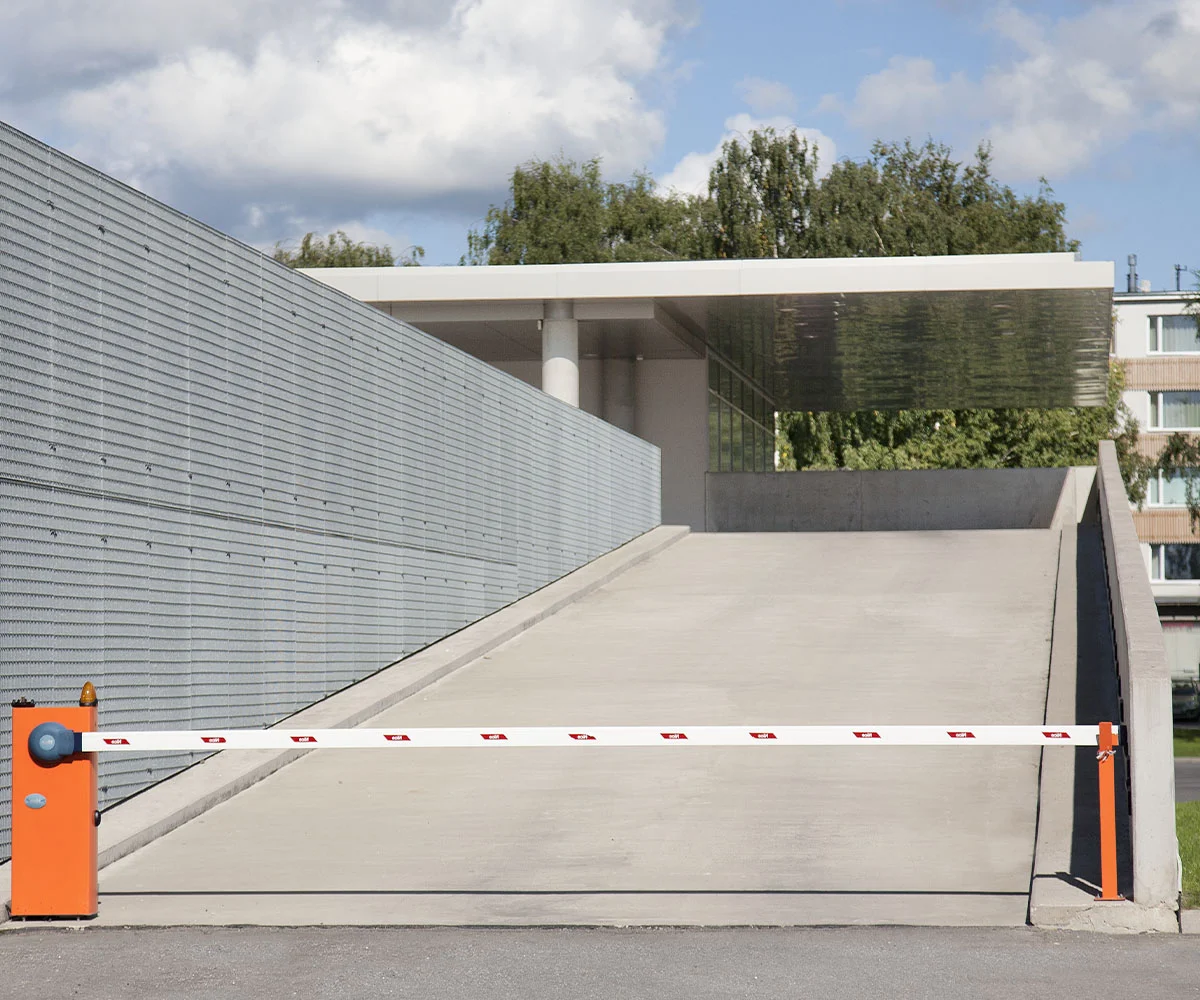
150, 814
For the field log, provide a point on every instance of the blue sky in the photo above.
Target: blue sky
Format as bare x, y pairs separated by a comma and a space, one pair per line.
399, 120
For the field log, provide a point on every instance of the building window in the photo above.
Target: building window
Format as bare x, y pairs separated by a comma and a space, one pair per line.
1175, 410
1176, 561
1173, 335
1164, 492
741, 436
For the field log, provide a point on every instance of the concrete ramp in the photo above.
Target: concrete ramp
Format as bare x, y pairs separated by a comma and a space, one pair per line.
769, 629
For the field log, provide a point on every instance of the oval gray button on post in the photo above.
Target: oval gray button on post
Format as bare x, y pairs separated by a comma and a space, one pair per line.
35, 800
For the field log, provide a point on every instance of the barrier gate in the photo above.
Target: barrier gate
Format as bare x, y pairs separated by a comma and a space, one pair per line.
54, 788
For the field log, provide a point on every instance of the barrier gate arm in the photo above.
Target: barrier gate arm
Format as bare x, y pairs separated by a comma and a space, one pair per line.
55, 752
133, 741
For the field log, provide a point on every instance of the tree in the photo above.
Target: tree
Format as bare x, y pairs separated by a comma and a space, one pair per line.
338, 250
563, 212
766, 200
971, 438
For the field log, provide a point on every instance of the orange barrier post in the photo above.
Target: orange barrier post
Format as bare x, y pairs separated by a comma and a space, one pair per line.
54, 815
1108, 813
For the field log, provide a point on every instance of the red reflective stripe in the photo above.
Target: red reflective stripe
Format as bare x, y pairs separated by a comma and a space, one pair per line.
396, 738
117, 743
213, 739
581, 736
960, 735
867, 735
304, 739
764, 736
493, 736
674, 736
1056, 735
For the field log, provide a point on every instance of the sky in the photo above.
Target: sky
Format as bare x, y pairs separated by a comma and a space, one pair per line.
400, 121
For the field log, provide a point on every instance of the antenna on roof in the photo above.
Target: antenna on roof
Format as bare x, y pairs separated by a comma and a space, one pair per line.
1179, 269
1132, 281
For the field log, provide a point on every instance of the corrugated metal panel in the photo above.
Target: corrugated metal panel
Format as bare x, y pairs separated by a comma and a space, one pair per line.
228, 491
1162, 374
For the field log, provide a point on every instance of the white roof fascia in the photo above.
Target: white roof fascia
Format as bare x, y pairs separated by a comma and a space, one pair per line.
688, 279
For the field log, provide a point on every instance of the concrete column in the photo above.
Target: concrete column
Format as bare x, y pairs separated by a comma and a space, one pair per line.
619, 400
560, 351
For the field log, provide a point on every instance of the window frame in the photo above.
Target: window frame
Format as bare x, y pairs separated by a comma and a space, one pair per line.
1156, 411
1158, 562
1155, 332
1160, 481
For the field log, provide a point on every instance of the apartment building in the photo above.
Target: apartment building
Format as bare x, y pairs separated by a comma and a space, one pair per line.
1156, 338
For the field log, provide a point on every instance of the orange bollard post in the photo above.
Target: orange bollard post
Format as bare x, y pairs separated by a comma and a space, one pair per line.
54, 815
1108, 813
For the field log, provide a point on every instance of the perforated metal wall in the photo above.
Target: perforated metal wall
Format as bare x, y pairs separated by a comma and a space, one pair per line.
227, 490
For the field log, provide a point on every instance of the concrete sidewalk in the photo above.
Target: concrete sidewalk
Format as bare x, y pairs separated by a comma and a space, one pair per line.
909, 627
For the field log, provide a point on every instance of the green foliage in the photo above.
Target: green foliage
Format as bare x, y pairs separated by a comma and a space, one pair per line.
338, 250
908, 200
766, 200
1187, 742
903, 200
1187, 829
975, 438
759, 198
563, 212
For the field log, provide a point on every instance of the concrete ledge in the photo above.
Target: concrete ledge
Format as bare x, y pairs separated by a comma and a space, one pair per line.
1145, 694
893, 500
1189, 921
171, 803
1063, 906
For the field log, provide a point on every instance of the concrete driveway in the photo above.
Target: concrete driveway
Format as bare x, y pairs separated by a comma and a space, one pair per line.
907, 627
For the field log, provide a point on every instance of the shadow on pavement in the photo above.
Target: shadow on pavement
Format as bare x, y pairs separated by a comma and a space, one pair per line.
1097, 697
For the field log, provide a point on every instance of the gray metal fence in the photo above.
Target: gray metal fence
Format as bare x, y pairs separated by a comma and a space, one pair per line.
227, 491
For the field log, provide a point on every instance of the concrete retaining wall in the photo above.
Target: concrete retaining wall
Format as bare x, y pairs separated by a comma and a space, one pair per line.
919, 500
1145, 695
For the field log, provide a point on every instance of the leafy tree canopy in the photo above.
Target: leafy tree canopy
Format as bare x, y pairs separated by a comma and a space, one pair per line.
339, 250
903, 200
562, 212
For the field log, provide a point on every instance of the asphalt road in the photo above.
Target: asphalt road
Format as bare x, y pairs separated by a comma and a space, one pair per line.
605, 964
1187, 779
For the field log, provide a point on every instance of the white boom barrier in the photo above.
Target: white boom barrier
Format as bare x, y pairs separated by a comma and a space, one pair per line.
55, 752
615, 736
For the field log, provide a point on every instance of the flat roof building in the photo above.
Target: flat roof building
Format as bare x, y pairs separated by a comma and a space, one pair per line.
697, 356
1156, 339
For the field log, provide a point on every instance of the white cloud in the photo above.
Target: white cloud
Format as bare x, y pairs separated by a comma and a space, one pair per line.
1070, 89
333, 109
690, 174
765, 97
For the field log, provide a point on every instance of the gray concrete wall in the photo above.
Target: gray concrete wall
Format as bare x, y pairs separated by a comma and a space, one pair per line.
1145, 695
672, 412
921, 500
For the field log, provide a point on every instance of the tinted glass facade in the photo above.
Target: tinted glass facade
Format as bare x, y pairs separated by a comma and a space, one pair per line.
741, 423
